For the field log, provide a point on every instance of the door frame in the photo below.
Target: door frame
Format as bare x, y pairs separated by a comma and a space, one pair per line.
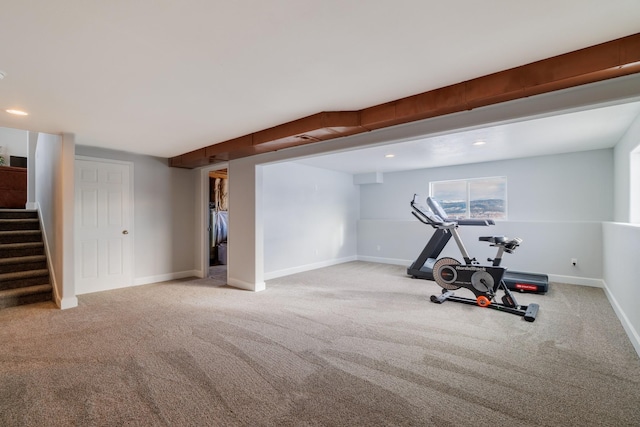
131, 227
203, 242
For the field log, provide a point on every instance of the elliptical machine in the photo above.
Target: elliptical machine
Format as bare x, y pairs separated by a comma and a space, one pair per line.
484, 281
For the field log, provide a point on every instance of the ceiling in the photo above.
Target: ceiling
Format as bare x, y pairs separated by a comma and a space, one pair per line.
162, 78
589, 129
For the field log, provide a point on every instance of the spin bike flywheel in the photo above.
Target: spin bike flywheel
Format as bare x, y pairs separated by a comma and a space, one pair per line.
445, 274
482, 281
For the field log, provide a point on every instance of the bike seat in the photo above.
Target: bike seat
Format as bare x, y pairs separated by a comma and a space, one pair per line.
507, 243
493, 239
511, 244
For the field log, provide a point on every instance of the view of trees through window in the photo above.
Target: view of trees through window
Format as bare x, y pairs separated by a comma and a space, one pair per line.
472, 198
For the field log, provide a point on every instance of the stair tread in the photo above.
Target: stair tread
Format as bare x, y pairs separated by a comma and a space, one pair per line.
27, 290
18, 232
19, 219
23, 274
23, 259
20, 245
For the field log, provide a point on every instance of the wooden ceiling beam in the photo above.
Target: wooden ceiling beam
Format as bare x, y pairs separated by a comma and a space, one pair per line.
608, 60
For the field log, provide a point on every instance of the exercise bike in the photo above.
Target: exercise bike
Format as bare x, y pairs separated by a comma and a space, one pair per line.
484, 281
422, 267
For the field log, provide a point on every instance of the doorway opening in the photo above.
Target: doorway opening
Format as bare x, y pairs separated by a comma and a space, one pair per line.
218, 224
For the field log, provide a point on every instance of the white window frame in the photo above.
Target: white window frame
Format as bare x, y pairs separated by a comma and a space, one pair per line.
468, 183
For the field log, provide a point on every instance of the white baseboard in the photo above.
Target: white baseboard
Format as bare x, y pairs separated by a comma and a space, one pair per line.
307, 267
633, 335
64, 303
394, 261
572, 280
168, 276
241, 284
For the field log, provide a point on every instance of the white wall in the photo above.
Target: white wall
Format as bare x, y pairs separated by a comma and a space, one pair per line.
164, 219
245, 263
555, 204
13, 143
247, 198
310, 216
626, 189
54, 157
48, 154
621, 244
622, 275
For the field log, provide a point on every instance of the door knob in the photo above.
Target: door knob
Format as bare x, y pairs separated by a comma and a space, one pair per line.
125, 232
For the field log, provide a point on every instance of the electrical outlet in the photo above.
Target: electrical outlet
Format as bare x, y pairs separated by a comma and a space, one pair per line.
574, 262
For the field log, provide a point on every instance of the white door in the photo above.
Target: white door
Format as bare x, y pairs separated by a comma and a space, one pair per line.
103, 243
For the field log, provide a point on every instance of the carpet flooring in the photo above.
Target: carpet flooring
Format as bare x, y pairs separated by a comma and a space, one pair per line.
357, 344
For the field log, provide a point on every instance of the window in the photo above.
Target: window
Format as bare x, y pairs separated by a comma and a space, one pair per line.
472, 198
634, 186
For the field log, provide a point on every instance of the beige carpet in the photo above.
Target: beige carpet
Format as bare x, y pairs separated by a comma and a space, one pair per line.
357, 344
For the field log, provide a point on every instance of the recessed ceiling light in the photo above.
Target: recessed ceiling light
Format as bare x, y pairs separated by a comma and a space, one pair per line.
478, 143
388, 156
17, 112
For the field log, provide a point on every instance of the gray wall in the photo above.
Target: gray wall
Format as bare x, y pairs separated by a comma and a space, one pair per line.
13, 143
563, 187
309, 215
555, 203
164, 219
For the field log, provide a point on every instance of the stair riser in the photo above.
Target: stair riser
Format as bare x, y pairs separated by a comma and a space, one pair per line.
21, 283
19, 225
25, 299
16, 252
21, 238
25, 266
18, 214
22, 280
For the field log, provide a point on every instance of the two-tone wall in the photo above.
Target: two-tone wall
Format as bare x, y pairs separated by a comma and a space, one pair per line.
556, 204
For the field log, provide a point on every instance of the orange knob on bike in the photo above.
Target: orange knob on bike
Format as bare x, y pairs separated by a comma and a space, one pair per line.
483, 301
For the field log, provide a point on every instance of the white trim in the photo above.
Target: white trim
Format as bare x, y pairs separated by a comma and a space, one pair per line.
573, 280
132, 216
46, 253
633, 335
203, 232
394, 261
254, 287
62, 303
166, 277
69, 302
308, 267
102, 160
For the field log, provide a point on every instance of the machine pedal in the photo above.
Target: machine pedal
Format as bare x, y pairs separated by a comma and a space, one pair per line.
531, 312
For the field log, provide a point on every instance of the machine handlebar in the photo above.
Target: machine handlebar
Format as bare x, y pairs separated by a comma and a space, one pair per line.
426, 216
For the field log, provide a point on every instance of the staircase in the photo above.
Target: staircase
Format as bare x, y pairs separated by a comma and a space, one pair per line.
24, 275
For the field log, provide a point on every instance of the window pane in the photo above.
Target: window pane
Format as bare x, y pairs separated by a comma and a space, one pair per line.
487, 198
452, 196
